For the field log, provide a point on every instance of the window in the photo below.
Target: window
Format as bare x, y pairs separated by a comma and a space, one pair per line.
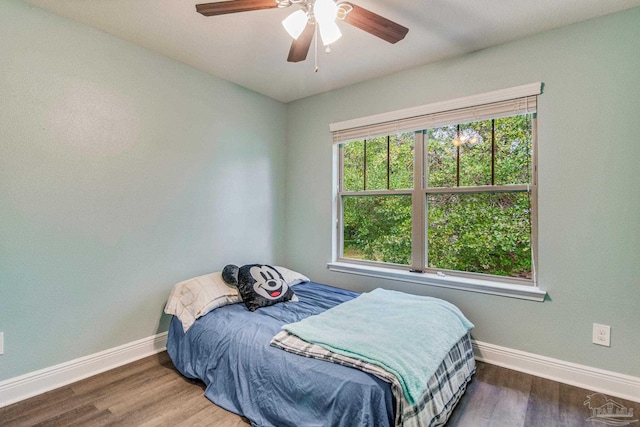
451, 194
376, 198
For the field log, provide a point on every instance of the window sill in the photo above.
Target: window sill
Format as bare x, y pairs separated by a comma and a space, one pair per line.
530, 293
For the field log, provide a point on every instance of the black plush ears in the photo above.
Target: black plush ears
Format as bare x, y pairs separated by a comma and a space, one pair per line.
230, 274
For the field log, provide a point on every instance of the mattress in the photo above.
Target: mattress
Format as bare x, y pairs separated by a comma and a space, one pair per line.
228, 349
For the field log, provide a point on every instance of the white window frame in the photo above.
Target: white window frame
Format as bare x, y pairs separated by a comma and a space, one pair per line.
421, 118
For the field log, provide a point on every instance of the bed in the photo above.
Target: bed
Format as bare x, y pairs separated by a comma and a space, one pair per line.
230, 349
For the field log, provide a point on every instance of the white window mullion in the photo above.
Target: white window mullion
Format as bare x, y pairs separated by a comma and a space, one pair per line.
418, 241
377, 193
339, 208
511, 188
534, 200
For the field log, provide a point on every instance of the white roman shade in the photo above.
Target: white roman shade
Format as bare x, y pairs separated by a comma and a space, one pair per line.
490, 105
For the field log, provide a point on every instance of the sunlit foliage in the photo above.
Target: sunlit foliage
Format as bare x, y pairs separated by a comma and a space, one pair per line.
481, 232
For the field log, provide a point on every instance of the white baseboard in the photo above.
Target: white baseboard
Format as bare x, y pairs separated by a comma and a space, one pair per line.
611, 383
607, 382
19, 388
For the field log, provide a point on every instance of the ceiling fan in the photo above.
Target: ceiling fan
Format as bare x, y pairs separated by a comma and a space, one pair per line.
314, 16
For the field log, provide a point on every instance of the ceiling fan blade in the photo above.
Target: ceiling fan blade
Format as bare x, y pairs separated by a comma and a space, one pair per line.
375, 24
233, 6
300, 47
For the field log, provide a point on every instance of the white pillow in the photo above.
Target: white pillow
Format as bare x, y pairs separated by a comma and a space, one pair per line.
291, 277
196, 297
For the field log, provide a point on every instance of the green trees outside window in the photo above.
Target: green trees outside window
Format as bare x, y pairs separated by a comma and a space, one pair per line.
477, 214
378, 227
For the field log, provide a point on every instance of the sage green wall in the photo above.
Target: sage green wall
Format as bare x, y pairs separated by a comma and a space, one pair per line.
589, 197
121, 173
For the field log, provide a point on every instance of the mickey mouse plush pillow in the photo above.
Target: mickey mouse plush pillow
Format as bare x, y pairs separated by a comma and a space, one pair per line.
259, 285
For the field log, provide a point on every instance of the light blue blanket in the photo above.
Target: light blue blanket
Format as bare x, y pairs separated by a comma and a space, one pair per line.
407, 335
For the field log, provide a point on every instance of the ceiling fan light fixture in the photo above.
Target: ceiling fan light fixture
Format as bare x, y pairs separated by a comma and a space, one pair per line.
325, 11
329, 32
315, 21
295, 23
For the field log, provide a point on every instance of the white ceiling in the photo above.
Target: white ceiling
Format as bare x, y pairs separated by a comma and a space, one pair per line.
251, 48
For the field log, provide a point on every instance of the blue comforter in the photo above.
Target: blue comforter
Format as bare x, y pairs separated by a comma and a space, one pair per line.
229, 350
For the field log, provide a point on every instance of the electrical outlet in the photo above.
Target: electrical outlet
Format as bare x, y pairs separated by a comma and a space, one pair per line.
1, 342
602, 335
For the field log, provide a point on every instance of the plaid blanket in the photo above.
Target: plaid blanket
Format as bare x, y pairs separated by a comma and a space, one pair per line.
437, 401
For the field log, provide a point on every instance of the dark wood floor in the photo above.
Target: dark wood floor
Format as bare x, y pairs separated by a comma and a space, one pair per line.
150, 392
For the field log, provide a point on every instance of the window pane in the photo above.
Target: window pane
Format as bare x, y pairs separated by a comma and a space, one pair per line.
483, 233
513, 150
401, 148
376, 173
475, 154
353, 163
441, 157
377, 228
